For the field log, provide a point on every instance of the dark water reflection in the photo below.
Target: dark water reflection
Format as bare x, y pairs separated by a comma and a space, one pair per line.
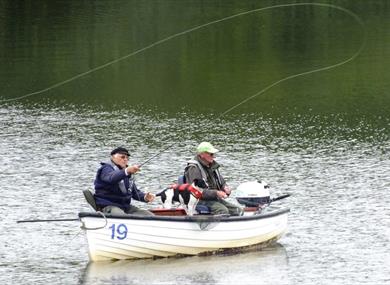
267, 265
212, 68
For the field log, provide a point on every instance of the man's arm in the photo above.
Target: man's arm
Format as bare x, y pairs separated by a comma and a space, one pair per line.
111, 176
192, 173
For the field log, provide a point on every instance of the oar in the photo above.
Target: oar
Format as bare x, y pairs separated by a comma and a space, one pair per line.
66, 220
49, 220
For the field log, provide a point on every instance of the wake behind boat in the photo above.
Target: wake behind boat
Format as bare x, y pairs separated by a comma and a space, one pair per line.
130, 237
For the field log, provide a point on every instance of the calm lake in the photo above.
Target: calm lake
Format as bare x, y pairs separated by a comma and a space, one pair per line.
298, 96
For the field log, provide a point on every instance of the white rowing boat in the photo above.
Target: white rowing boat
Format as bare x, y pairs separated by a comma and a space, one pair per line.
132, 237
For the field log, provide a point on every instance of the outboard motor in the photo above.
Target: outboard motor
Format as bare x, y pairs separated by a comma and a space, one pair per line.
253, 193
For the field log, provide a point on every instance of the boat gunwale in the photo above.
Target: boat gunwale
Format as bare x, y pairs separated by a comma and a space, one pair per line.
194, 219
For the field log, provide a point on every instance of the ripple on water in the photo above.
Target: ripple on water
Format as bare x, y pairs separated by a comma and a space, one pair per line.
336, 172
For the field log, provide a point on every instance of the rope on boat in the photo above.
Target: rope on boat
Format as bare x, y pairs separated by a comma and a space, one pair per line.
83, 227
76, 235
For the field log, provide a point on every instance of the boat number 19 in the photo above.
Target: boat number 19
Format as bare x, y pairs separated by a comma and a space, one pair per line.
118, 231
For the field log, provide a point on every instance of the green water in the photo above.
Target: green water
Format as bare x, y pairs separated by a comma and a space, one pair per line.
207, 70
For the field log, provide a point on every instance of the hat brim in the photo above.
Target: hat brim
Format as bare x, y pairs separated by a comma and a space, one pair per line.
210, 150
213, 150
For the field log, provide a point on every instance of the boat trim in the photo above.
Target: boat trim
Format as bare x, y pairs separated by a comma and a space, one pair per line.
196, 218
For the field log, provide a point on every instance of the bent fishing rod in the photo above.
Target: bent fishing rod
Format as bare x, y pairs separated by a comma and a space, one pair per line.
351, 58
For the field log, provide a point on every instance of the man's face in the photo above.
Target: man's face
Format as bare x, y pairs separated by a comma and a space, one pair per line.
208, 157
120, 159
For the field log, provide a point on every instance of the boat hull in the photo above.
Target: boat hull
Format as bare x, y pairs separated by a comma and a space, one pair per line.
132, 237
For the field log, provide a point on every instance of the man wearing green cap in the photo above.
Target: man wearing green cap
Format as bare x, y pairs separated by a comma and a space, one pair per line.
203, 170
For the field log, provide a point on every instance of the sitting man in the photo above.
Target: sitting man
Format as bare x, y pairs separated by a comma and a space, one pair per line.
204, 170
115, 186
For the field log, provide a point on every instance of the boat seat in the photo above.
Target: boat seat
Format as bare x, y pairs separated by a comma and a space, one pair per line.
169, 212
88, 195
203, 210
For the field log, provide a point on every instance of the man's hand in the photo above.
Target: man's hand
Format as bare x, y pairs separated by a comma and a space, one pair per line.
149, 197
221, 194
227, 190
132, 169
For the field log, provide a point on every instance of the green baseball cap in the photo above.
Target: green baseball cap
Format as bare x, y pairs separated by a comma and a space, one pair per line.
206, 147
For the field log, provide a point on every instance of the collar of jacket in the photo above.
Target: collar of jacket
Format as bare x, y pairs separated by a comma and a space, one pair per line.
114, 164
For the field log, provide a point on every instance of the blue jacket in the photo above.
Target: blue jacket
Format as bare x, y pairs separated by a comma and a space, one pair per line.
109, 192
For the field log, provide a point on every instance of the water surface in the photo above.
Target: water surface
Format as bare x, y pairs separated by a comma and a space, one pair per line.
323, 138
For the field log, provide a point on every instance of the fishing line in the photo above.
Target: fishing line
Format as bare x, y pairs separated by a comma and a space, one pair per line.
356, 54
350, 13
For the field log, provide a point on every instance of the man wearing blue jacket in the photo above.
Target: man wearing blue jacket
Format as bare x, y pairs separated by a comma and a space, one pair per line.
115, 186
